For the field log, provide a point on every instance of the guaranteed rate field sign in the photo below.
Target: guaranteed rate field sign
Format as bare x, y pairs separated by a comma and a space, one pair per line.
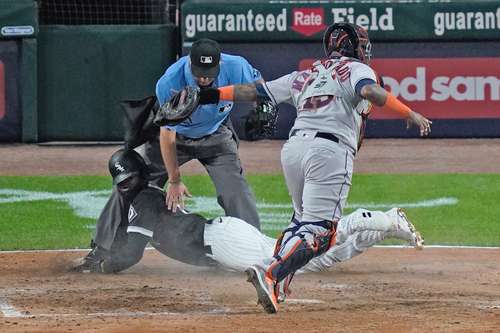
259, 21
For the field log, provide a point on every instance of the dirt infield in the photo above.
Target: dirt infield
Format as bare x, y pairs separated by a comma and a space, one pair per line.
384, 290
376, 155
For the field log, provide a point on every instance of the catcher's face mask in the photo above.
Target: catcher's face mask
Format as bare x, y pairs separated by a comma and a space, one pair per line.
348, 40
365, 46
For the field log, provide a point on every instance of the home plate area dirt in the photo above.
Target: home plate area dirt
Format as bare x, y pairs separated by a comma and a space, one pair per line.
383, 290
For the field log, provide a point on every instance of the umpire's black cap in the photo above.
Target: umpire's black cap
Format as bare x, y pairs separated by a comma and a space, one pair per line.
205, 58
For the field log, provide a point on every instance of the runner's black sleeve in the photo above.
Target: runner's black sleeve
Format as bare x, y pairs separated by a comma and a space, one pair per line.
128, 255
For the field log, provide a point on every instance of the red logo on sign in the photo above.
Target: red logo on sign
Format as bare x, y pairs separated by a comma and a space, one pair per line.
2, 91
308, 21
453, 88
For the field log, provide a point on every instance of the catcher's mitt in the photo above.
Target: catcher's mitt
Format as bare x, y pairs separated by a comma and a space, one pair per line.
261, 122
179, 108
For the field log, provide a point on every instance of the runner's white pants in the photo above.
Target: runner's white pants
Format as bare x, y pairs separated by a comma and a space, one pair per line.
236, 245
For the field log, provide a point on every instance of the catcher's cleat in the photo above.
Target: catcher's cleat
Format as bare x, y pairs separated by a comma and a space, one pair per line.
406, 229
264, 287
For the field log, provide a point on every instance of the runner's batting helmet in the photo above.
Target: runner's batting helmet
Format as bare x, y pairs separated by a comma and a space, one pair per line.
124, 164
348, 40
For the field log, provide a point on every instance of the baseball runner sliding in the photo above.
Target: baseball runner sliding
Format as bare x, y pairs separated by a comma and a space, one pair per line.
226, 242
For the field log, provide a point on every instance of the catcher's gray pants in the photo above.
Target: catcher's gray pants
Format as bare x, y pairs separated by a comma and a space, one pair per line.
318, 175
218, 153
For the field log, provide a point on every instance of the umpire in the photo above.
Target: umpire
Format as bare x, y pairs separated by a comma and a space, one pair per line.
208, 135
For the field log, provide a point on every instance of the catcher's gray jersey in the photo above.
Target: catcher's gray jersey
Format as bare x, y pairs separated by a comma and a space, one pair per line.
325, 97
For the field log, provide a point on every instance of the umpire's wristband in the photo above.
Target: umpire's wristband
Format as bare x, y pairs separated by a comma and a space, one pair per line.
209, 96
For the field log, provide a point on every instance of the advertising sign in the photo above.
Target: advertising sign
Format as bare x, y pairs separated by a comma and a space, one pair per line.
456, 84
259, 21
457, 88
453, 88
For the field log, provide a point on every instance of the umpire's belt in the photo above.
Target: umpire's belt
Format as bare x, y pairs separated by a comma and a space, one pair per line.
323, 135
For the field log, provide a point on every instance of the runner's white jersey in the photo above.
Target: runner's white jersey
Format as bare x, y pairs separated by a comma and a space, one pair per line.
325, 97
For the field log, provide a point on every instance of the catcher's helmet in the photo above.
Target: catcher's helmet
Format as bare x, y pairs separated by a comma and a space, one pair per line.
124, 164
348, 40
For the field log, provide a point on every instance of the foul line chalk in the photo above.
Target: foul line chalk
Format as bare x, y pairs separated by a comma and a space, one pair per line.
303, 301
17, 314
8, 310
58, 250
378, 246
441, 247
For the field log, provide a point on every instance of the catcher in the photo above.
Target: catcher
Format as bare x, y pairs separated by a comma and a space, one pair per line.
226, 242
333, 99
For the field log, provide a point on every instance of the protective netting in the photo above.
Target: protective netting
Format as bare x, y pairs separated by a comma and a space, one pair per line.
79, 12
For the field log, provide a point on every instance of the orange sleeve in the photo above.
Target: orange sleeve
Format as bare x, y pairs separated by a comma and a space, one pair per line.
393, 104
226, 93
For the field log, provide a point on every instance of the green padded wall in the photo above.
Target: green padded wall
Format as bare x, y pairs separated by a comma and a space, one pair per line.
85, 71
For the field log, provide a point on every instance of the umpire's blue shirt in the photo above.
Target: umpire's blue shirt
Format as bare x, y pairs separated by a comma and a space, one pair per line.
207, 118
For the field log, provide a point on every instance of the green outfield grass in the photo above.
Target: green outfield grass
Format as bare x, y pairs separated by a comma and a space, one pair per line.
59, 212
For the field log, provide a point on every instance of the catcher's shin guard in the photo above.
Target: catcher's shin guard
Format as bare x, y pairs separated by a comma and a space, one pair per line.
301, 253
